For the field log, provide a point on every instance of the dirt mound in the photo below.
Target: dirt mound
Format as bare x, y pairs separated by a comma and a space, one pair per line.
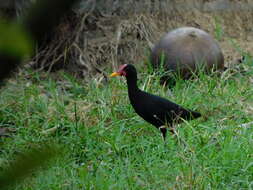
89, 42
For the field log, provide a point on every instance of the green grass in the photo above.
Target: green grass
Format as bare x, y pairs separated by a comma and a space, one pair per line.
105, 145
218, 29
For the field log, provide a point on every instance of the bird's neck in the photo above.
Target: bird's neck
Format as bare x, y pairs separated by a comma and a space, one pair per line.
132, 84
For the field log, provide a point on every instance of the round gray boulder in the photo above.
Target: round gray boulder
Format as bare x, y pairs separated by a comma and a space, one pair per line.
186, 50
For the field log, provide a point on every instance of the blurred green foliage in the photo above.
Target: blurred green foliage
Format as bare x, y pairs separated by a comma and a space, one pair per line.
14, 40
26, 163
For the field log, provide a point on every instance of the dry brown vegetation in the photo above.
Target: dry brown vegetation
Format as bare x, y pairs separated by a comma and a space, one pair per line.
89, 40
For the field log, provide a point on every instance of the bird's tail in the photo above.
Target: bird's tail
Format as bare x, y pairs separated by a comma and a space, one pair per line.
195, 114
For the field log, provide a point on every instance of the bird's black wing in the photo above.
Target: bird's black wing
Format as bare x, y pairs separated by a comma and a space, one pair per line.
160, 111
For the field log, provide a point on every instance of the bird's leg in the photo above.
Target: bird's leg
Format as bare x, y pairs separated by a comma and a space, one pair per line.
163, 130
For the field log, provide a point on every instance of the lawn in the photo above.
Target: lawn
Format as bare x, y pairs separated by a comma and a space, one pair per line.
105, 145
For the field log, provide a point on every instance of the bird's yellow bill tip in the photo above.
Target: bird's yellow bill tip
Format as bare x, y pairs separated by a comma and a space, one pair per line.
115, 74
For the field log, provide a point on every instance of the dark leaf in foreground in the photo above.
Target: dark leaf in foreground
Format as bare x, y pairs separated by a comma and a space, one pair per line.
39, 22
25, 164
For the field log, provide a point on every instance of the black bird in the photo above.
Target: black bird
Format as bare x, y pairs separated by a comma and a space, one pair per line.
156, 110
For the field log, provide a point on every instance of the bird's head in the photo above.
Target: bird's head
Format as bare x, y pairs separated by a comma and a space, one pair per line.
126, 70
